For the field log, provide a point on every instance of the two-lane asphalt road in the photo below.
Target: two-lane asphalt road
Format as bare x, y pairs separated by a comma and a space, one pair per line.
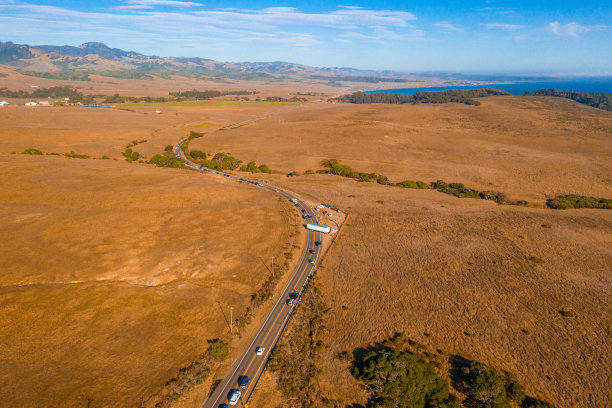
250, 364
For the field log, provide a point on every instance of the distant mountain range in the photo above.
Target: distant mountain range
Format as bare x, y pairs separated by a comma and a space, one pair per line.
95, 58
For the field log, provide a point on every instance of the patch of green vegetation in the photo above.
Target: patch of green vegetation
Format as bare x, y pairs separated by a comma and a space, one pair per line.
342, 170
167, 160
251, 167
197, 154
63, 75
596, 100
402, 379
565, 202
222, 161
459, 190
486, 388
32, 151
218, 349
123, 74
73, 155
413, 184
452, 95
130, 155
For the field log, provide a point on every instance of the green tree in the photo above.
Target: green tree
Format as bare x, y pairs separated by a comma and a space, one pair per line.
401, 379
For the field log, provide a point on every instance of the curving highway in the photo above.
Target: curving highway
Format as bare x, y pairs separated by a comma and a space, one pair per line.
250, 363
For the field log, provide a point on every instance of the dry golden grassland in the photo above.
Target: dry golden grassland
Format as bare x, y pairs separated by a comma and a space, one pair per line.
101, 132
528, 148
455, 274
114, 275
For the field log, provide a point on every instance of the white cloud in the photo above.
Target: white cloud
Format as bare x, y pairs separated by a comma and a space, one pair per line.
503, 26
138, 19
148, 4
446, 26
570, 29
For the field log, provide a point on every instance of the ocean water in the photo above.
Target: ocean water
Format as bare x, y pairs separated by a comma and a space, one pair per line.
597, 85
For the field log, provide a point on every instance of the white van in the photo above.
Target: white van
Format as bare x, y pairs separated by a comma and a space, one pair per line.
234, 397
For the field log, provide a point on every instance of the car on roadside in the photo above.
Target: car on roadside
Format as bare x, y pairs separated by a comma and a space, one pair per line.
259, 351
243, 382
293, 298
234, 397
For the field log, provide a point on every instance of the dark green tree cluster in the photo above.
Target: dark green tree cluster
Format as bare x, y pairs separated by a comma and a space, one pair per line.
281, 99
464, 96
222, 161
251, 167
195, 154
167, 160
32, 151
459, 190
565, 202
487, 389
207, 94
73, 155
402, 379
596, 100
52, 92
130, 155
334, 167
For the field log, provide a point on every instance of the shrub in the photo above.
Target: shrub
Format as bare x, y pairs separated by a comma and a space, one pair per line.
32, 151
130, 155
73, 155
489, 389
565, 202
167, 161
196, 154
218, 349
401, 379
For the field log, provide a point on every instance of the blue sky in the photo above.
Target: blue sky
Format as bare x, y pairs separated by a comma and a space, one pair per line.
484, 36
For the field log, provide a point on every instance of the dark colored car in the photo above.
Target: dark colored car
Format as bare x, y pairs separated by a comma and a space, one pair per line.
244, 381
